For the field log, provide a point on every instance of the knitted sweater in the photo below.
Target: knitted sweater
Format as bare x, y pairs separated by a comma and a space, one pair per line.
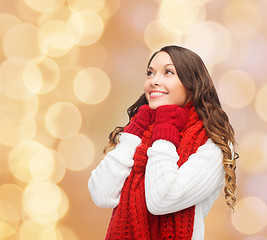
167, 188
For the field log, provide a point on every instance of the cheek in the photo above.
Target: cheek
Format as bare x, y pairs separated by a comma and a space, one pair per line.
146, 84
146, 87
180, 95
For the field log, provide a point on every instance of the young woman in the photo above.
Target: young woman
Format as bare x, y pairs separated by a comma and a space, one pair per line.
171, 159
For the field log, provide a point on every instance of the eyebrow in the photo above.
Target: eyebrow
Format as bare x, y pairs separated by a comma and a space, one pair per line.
169, 64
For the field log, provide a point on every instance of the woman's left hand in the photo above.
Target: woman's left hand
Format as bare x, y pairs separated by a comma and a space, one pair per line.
169, 121
171, 114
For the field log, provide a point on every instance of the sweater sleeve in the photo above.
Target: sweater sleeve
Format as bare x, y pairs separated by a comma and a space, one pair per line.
169, 188
106, 181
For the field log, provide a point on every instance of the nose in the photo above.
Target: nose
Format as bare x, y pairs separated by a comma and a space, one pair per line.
155, 81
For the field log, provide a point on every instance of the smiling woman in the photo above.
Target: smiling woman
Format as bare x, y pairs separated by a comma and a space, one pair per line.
171, 159
163, 85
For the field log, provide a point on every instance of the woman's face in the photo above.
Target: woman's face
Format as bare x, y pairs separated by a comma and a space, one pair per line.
163, 86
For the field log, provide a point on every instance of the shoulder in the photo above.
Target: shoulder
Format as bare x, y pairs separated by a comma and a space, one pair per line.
209, 145
207, 153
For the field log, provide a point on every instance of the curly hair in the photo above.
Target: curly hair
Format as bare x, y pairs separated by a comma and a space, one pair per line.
194, 75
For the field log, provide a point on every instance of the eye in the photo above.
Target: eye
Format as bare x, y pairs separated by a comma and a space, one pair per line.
149, 73
169, 72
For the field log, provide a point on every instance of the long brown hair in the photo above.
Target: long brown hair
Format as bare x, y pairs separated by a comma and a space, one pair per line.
194, 75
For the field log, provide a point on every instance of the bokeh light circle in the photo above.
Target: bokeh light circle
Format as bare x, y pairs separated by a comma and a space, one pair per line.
210, 40
64, 205
12, 194
32, 77
44, 6
77, 152
91, 85
42, 164
63, 120
261, 102
49, 75
53, 38
24, 11
18, 110
7, 230
251, 148
59, 167
250, 215
21, 41
85, 27
242, 18
92, 5
178, 12
109, 9
12, 78
237, 88
20, 159
41, 197
13, 132
37, 230
54, 214
239, 119
8, 212
164, 36
255, 185
63, 13
9, 219
7, 21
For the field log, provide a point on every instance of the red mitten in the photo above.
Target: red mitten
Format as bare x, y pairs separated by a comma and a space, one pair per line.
169, 121
141, 121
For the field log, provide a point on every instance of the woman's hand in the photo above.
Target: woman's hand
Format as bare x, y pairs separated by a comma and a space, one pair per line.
171, 114
169, 121
141, 121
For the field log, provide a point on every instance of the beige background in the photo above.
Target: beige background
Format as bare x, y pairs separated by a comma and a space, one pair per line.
70, 69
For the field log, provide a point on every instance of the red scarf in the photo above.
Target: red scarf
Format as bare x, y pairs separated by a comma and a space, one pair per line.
131, 219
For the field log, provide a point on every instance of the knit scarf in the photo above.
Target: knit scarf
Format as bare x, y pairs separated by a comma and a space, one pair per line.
131, 219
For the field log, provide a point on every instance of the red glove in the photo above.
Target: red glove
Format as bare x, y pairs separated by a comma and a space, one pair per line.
169, 121
141, 121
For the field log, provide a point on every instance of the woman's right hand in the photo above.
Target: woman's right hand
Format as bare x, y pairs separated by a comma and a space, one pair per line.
143, 118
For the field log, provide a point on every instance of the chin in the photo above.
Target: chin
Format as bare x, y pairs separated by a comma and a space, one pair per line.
154, 105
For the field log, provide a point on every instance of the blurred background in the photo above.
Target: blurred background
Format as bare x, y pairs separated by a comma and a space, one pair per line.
69, 71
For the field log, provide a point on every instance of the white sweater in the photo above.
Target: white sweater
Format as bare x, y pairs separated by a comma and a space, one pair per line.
168, 188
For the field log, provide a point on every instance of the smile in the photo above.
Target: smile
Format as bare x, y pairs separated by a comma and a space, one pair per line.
157, 93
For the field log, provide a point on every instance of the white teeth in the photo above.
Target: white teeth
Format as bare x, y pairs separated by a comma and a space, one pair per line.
157, 93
